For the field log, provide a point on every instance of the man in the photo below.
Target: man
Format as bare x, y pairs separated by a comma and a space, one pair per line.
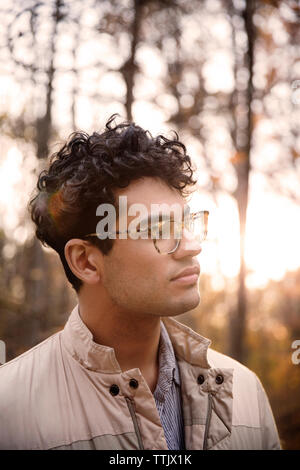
124, 374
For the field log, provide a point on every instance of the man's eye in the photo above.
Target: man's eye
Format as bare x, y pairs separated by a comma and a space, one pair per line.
142, 228
155, 230
166, 228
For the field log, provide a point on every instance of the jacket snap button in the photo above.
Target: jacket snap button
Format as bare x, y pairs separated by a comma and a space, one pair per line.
133, 383
114, 390
219, 379
200, 379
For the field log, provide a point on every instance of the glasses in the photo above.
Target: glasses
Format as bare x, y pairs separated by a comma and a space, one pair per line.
167, 233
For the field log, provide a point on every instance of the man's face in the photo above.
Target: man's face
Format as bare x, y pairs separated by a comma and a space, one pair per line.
139, 280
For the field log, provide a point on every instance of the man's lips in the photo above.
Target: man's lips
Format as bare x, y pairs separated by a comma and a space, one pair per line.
188, 275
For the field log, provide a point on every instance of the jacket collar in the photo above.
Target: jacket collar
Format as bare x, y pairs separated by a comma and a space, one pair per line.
188, 345
78, 340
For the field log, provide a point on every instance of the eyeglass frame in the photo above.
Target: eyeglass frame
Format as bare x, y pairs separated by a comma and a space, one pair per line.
191, 216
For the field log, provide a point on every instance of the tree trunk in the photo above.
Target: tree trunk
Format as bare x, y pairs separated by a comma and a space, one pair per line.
129, 68
37, 290
243, 138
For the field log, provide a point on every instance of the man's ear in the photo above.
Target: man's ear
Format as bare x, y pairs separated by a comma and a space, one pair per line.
84, 259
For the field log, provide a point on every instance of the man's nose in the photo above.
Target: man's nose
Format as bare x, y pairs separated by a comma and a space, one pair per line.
188, 246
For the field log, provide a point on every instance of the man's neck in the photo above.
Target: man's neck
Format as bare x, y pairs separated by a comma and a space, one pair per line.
135, 339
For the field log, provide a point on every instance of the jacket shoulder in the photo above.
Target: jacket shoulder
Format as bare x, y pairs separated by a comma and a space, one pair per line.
217, 359
24, 387
21, 373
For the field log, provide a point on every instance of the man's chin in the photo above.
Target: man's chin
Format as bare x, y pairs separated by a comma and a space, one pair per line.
183, 305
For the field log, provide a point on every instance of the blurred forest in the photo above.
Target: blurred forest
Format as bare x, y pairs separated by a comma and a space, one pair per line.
226, 76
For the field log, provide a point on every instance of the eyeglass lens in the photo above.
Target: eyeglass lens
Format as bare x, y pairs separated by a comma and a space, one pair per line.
167, 239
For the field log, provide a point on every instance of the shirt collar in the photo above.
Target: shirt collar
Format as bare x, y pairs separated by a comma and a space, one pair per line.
168, 368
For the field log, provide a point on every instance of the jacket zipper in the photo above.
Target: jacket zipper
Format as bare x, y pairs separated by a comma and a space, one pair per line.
135, 423
208, 417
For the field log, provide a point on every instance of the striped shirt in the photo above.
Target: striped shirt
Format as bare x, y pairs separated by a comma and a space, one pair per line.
167, 394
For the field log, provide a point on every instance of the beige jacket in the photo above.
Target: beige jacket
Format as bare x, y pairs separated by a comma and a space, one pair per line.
69, 392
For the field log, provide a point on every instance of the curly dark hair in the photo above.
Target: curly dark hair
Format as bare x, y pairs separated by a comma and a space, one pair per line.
85, 172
